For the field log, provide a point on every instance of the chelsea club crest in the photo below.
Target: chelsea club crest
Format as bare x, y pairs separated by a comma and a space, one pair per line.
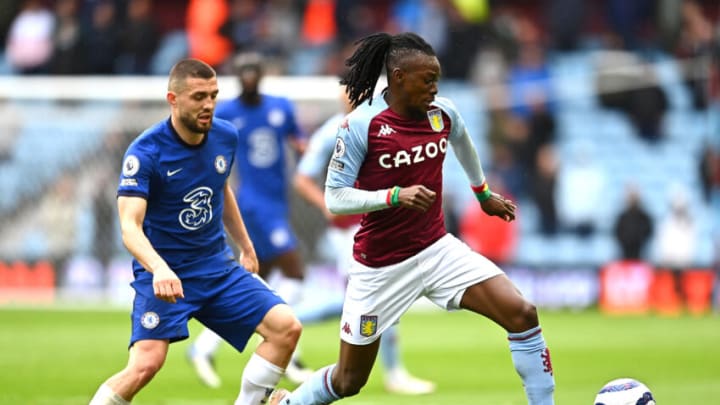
436, 120
150, 320
220, 164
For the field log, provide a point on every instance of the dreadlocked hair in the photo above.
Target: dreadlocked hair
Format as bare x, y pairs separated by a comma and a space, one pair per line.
375, 52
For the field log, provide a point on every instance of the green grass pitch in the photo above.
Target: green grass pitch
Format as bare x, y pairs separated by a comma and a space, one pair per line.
60, 357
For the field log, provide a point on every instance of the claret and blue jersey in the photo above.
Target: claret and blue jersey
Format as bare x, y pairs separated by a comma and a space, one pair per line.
183, 185
377, 149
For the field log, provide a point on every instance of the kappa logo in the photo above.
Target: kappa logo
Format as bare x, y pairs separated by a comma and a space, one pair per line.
346, 329
385, 130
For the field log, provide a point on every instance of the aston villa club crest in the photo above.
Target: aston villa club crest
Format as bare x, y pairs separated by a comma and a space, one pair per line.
436, 120
368, 325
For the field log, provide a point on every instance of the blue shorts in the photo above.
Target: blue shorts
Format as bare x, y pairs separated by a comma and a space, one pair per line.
232, 305
270, 232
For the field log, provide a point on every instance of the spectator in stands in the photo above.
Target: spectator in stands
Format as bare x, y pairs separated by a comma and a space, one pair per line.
677, 233
627, 20
100, 39
529, 82
30, 43
466, 23
204, 19
244, 25
699, 48
633, 227
624, 83
356, 19
581, 186
543, 189
566, 19
138, 38
67, 50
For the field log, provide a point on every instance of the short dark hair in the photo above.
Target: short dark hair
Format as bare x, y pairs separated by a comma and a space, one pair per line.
375, 52
188, 68
247, 60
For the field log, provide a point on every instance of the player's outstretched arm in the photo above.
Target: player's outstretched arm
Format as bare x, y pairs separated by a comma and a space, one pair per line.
235, 226
308, 189
166, 284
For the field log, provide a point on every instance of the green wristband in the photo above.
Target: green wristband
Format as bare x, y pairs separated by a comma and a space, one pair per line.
482, 192
483, 195
395, 196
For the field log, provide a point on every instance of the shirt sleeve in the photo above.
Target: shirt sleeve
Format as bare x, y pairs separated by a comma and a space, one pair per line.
349, 153
138, 166
349, 200
462, 144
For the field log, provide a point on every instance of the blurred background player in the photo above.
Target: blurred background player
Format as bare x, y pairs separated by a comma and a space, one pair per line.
340, 234
267, 126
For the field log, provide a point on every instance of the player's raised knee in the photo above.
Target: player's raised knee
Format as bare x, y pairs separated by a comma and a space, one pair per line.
281, 327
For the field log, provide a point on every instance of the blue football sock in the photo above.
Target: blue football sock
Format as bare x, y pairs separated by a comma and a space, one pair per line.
389, 352
317, 390
532, 361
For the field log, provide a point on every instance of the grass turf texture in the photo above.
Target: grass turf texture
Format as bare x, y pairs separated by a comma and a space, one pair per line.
60, 357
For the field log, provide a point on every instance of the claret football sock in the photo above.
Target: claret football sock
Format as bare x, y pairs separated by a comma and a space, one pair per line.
531, 358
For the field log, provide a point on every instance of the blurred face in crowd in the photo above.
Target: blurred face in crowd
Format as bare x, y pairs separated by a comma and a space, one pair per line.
193, 102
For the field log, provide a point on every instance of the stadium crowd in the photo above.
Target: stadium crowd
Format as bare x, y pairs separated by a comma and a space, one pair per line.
313, 36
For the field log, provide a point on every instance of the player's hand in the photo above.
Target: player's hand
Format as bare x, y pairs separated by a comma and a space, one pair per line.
417, 197
167, 285
249, 261
499, 206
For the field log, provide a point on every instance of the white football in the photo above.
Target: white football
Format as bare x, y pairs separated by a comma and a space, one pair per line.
624, 391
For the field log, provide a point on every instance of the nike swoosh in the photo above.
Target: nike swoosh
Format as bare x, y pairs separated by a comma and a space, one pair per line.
173, 172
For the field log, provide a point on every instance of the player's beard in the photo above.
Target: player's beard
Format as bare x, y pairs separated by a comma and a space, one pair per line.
191, 122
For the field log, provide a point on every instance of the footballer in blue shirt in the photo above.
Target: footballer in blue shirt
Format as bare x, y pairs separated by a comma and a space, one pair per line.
266, 126
175, 203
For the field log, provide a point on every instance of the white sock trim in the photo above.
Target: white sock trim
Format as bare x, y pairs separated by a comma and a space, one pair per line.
106, 396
